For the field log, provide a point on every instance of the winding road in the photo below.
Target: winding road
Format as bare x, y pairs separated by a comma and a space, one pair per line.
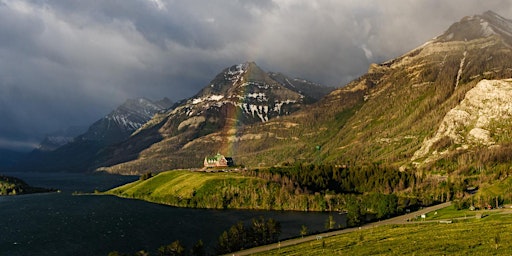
402, 219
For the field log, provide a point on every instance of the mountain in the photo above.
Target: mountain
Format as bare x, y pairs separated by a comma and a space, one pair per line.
241, 95
441, 107
124, 120
312, 90
435, 107
60, 138
78, 153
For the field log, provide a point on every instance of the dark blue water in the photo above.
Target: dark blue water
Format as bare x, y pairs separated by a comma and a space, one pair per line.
66, 224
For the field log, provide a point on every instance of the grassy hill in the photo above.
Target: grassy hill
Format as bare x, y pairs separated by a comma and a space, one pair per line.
299, 190
180, 187
486, 236
218, 190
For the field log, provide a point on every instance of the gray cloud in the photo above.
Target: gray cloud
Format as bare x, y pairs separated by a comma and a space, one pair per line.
69, 62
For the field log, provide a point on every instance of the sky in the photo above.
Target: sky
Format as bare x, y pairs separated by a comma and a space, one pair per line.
70, 62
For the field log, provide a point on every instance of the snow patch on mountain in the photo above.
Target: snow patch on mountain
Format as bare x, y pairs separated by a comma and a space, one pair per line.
259, 96
209, 98
124, 121
486, 28
278, 106
237, 73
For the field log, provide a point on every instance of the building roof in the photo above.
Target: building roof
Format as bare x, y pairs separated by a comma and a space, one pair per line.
214, 158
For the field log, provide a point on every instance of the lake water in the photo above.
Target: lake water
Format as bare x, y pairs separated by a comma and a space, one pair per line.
66, 224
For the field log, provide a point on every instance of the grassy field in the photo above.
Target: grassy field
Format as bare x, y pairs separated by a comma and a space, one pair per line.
487, 236
450, 213
186, 188
173, 183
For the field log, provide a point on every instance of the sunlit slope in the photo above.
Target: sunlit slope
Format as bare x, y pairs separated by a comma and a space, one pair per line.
486, 236
386, 115
210, 190
183, 184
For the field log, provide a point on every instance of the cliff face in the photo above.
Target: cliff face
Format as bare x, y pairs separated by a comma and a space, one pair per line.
483, 118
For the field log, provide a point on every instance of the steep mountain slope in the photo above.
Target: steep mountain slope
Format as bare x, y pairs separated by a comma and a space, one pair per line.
305, 87
386, 115
240, 95
124, 120
81, 151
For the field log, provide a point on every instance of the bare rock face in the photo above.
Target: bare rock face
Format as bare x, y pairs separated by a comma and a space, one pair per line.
474, 121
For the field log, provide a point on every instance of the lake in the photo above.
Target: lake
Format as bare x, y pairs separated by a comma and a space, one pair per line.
67, 224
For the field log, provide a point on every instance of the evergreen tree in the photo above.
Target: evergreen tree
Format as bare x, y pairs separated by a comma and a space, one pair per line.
303, 230
198, 249
173, 249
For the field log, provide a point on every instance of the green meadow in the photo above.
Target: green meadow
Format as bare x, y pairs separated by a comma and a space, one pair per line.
173, 183
489, 235
219, 190
186, 188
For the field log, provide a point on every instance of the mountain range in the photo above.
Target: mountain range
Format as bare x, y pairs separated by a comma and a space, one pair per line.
62, 152
442, 107
240, 95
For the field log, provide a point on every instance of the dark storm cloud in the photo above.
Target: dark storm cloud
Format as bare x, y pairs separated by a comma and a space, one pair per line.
68, 62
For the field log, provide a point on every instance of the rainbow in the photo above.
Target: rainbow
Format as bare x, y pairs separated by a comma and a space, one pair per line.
234, 122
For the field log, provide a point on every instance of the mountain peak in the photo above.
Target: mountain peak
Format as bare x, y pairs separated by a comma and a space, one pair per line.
478, 26
123, 121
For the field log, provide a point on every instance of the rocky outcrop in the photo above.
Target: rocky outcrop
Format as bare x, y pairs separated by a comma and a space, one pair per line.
473, 121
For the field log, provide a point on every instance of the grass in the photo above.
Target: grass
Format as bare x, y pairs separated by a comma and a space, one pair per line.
487, 236
451, 213
222, 190
172, 183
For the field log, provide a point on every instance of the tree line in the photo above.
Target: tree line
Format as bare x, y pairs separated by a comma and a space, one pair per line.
240, 236
340, 178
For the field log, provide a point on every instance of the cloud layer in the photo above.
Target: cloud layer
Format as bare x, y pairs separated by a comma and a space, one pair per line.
69, 62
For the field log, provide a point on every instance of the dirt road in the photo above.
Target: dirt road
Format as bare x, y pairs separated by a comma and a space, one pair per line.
402, 219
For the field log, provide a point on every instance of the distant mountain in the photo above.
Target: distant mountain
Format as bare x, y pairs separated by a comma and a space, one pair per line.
58, 139
78, 153
123, 121
442, 107
240, 95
